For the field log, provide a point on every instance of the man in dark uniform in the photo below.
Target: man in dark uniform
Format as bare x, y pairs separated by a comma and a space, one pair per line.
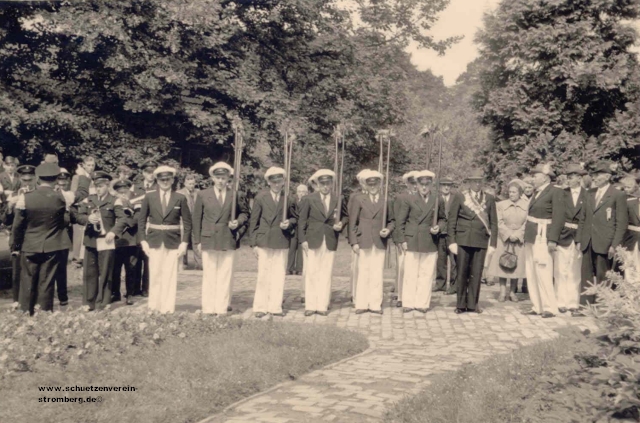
472, 225
39, 235
63, 185
410, 182
27, 183
148, 185
127, 254
444, 255
602, 230
97, 213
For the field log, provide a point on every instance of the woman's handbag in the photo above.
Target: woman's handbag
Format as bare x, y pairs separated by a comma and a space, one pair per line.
509, 260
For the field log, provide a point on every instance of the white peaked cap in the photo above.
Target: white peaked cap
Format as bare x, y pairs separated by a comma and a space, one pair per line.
272, 171
320, 173
362, 174
164, 169
220, 165
425, 174
408, 175
372, 174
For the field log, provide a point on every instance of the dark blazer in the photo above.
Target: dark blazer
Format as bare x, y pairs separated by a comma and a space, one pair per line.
107, 209
447, 209
7, 184
397, 204
211, 220
129, 235
353, 198
548, 205
314, 225
365, 222
465, 228
573, 214
40, 227
605, 223
631, 238
264, 224
151, 211
414, 221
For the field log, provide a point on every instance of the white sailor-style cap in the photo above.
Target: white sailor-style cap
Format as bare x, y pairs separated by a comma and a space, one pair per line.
424, 175
361, 176
164, 171
409, 176
372, 177
220, 168
274, 173
323, 175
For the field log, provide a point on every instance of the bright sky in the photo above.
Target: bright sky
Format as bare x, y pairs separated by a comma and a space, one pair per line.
462, 17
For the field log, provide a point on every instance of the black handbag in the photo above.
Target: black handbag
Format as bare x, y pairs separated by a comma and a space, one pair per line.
509, 260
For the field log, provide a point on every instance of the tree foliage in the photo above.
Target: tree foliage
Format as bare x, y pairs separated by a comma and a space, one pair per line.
559, 83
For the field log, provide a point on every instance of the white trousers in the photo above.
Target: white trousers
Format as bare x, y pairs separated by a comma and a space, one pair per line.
419, 275
216, 280
317, 280
354, 274
400, 263
636, 257
370, 279
163, 279
272, 269
539, 270
567, 270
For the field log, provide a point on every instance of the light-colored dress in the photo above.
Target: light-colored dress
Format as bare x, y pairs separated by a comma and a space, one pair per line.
511, 221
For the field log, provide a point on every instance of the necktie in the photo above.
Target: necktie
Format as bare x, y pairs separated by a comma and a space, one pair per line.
325, 203
478, 197
426, 198
374, 199
219, 196
599, 195
276, 198
164, 202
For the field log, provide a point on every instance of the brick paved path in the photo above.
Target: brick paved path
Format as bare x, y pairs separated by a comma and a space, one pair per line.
405, 350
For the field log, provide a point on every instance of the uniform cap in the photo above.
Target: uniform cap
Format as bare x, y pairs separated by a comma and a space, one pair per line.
372, 176
64, 173
26, 170
361, 176
122, 184
323, 175
220, 168
47, 170
409, 176
149, 164
574, 168
164, 171
425, 175
545, 169
100, 176
274, 173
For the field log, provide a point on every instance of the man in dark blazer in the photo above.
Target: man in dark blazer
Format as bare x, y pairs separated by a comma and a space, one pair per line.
97, 213
568, 258
38, 236
319, 226
351, 204
472, 231
631, 240
147, 185
444, 255
127, 253
369, 232
602, 230
165, 239
541, 235
409, 180
418, 238
270, 236
214, 237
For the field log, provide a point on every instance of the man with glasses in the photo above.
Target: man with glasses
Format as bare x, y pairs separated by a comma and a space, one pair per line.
419, 241
602, 230
162, 241
270, 236
409, 180
472, 229
318, 232
368, 236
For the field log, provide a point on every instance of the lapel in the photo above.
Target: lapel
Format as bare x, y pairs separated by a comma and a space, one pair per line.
154, 202
426, 207
578, 206
222, 207
542, 194
273, 207
374, 209
604, 198
316, 201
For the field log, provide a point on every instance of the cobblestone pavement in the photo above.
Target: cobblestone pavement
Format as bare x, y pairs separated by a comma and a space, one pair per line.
405, 349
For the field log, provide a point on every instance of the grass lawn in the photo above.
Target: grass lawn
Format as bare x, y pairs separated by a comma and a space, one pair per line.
527, 385
184, 367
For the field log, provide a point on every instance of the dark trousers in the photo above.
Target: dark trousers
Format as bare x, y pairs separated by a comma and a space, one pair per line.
15, 277
61, 277
142, 278
126, 257
295, 256
470, 265
98, 274
441, 267
37, 280
593, 264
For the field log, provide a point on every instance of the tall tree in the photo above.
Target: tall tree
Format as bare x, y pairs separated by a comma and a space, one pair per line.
558, 83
